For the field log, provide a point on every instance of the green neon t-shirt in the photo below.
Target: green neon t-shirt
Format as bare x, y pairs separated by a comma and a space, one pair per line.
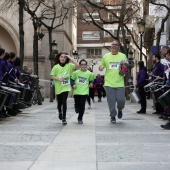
112, 64
64, 72
82, 79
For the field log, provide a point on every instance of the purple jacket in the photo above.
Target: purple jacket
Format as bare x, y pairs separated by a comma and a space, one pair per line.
99, 82
4, 70
158, 70
141, 77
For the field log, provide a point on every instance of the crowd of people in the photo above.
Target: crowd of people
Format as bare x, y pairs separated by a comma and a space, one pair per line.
83, 83
158, 83
14, 93
79, 78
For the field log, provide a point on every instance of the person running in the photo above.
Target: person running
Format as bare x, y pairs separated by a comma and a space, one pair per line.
114, 82
91, 92
81, 80
61, 74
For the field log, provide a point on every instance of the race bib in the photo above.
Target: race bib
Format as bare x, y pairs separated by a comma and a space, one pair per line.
114, 65
82, 80
66, 81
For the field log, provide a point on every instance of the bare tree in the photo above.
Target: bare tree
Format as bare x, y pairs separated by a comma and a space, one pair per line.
122, 13
160, 7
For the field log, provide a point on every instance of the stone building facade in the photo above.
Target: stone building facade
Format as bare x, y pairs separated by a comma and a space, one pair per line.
65, 36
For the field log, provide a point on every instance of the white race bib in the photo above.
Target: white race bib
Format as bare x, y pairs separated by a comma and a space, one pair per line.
66, 81
82, 80
114, 65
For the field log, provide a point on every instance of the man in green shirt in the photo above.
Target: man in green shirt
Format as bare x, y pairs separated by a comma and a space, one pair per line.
114, 82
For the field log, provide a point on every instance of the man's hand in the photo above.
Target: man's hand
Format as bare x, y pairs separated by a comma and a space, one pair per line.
74, 86
60, 79
91, 85
101, 68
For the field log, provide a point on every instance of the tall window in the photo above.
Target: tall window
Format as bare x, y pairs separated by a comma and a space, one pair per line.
94, 53
91, 35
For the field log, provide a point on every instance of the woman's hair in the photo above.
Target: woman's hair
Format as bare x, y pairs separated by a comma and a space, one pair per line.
17, 62
7, 56
82, 61
141, 64
2, 51
12, 55
157, 55
89, 68
56, 59
168, 52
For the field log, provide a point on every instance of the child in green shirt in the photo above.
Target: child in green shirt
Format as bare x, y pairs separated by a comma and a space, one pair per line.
61, 74
81, 80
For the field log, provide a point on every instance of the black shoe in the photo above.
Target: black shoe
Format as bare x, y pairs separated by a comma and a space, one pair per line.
6, 114
64, 122
119, 114
99, 100
161, 117
167, 126
77, 110
2, 116
141, 112
60, 116
113, 120
156, 113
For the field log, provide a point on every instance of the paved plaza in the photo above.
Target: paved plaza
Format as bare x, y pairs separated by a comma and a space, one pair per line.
37, 140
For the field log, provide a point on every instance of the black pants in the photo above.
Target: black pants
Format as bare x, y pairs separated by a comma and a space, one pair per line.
142, 98
99, 92
80, 101
62, 103
103, 91
91, 95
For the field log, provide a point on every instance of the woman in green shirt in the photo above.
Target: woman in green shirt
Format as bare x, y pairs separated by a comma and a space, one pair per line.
61, 74
81, 80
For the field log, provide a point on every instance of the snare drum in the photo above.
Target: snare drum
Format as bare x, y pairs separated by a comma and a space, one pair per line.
28, 97
13, 96
3, 97
165, 99
157, 93
21, 89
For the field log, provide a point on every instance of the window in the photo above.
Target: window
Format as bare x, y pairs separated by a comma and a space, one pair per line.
106, 34
91, 35
94, 15
94, 53
110, 17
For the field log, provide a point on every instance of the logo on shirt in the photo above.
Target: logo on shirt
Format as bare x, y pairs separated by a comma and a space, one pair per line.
82, 80
66, 81
114, 65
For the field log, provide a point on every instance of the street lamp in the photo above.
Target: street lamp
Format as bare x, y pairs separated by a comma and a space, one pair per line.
54, 46
75, 53
127, 46
53, 52
141, 28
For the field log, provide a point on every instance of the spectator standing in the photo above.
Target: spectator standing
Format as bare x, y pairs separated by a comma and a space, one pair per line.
142, 80
99, 82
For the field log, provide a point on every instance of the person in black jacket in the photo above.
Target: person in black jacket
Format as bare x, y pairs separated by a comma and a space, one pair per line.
141, 82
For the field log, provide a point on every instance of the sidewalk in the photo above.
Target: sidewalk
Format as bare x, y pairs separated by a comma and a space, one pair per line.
37, 140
